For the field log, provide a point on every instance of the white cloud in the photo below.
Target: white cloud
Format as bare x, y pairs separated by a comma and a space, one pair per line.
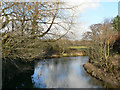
82, 6
80, 30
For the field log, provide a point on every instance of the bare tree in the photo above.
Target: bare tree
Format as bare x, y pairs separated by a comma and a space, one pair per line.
102, 37
36, 18
24, 22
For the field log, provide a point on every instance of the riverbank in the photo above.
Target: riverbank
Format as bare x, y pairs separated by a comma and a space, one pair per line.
70, 54
12, 68
111, 80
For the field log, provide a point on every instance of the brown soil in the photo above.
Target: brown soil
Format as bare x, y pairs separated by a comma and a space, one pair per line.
98, 73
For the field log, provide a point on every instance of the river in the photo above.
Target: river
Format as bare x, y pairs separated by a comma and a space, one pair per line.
66, 72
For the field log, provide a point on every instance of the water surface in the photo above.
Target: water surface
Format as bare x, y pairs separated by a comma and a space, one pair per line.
66, 72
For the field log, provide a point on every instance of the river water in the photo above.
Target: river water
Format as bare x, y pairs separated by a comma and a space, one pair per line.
66, 72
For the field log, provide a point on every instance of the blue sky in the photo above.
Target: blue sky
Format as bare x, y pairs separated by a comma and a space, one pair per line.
98, 14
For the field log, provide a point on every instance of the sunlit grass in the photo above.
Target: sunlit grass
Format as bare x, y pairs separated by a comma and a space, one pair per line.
78, 47
64, 54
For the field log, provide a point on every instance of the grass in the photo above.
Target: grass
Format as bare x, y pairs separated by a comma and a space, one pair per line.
78, 47
64, 54
72, 54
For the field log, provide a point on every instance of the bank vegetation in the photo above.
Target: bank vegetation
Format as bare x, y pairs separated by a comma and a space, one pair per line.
104, 50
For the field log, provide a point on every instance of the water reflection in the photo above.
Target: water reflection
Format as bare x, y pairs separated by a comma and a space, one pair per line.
67, 72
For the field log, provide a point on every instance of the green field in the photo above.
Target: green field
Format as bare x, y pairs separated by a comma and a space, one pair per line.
78, 47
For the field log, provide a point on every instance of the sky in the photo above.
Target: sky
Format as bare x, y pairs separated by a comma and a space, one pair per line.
99, 13
93, 13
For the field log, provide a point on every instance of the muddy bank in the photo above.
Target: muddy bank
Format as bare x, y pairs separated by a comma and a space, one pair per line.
111, 80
